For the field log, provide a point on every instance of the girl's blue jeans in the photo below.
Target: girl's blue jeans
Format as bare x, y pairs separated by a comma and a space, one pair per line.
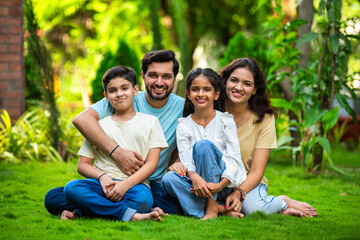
87, 198
210, 166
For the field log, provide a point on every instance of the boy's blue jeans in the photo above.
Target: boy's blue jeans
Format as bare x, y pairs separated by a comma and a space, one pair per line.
56, 202
87, 198
210, 166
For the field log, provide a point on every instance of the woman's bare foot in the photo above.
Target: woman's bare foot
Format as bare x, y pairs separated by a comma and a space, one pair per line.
235, 214
153, 215
305, 208
292, 212
67, 215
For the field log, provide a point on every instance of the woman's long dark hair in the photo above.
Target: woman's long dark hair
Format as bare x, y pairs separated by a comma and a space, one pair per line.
258, 103
215, 80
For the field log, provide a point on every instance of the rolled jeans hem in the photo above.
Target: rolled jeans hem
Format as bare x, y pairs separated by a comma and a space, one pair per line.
128, 215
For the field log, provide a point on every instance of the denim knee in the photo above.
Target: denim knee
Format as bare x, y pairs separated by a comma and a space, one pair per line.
202, 147
51, 200
168, 179
71, 189
144, 201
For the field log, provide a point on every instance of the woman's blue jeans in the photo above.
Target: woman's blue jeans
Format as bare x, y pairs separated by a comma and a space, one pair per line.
258, 200
87, 198
210, 166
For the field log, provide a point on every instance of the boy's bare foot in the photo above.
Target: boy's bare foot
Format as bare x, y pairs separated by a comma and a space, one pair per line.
305, 208
153, 215
210, 214
67, 215
292, 212
160, 211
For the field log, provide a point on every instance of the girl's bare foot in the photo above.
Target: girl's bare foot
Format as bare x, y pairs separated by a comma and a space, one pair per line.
153, 215
305, 208
67, 215
292, 212
210, 214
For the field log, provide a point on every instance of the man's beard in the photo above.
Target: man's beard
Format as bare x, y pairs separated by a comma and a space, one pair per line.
155, 97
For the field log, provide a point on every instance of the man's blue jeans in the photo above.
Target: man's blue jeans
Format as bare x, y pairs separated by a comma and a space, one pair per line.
87, 198
210, 166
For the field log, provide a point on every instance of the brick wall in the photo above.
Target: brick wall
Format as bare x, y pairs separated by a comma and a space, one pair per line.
12, 69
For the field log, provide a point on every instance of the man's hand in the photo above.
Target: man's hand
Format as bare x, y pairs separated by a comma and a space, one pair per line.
179, 168
128, 161
216, 187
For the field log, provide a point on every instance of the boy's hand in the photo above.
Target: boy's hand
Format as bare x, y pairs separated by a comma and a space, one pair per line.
128, 161
179, 168
118, 191
200, 186
106, 184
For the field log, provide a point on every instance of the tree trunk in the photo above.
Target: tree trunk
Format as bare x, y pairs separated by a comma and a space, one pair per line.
306, 12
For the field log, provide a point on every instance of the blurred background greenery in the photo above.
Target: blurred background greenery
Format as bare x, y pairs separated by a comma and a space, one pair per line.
308, 50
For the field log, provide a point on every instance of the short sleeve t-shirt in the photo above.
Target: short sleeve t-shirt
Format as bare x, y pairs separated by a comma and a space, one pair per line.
140, 134
167, 116
252, 136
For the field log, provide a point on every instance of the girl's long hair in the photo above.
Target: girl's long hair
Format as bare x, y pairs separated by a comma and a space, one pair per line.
215, 80
258, 103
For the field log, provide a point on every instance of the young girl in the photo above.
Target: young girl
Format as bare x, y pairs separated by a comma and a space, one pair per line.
208, 147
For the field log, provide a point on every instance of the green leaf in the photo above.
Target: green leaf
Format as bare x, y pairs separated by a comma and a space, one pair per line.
334, 43
310, 115
297, 23
307, 37
343, 103
322, 7
281, 103
283, 140
330, 119
324, 142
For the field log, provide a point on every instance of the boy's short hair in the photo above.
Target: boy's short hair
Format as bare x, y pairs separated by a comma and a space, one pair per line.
159, 56
121, 72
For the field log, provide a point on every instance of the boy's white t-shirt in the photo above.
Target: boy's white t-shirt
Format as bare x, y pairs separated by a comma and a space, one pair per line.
139, 134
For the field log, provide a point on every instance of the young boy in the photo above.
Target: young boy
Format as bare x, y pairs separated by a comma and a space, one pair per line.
107, 191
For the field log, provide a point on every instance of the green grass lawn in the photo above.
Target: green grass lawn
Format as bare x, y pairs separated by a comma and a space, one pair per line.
336, 198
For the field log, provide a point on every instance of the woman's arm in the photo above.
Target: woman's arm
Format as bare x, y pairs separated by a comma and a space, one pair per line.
87, 123
120, 188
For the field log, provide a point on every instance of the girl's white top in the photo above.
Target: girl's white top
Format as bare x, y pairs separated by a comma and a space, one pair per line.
222, 132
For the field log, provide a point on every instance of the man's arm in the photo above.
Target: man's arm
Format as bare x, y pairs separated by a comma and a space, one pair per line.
87, 123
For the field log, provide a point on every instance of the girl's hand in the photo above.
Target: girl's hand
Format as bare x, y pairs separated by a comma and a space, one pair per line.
200, 186
232, 202
179, 168
118, 191
216, 187
106, 183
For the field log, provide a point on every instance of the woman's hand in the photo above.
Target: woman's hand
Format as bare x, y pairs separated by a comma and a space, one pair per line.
200, 186
179, 168
232, 202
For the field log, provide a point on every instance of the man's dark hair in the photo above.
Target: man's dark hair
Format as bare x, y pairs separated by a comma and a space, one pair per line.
159, 56
121, 72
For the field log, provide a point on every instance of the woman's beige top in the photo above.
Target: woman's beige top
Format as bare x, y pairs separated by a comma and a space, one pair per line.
252, 136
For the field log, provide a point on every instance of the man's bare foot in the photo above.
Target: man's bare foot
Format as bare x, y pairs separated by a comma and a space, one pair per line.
160, 211
153, 215
67, 215
210, 214
305, 208
292, 212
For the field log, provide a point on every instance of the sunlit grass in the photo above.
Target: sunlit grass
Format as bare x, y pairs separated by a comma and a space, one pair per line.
336, 198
